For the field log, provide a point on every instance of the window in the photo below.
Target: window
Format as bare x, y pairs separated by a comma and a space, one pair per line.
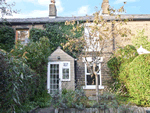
92, 43
66, 71
90, 80
22, 36
57, 72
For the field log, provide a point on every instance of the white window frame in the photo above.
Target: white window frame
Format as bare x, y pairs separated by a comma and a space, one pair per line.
60, 73
86, 34
26, 38
66, 68
88, 74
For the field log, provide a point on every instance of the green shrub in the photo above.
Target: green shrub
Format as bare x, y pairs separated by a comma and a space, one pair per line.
43, 99
118, 62
7, 38
131, 75
17, 83
70, 99
137, 75
35, 55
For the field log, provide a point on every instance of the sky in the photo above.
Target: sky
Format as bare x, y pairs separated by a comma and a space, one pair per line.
69, 8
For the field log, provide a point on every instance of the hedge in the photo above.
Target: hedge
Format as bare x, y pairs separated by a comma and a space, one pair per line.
137, 79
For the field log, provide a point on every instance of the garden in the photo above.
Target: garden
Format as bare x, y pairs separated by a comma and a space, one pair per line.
23, 70
23, 74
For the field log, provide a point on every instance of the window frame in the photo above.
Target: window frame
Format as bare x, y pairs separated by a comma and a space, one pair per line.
60, 74
21, 29
88, 74
65, 68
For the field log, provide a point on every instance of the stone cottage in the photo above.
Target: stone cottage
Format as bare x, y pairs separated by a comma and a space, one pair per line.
65, 71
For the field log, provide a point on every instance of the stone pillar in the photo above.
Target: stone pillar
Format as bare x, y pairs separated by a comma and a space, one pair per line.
105, 6
52, 9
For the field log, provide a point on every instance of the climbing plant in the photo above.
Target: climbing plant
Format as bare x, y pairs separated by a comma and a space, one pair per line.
59, 35
7, 38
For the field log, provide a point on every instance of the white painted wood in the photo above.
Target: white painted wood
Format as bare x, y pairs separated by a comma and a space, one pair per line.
88, 74
60, 74
141, 50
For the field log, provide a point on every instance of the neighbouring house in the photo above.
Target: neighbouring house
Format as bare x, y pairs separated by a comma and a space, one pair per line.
65, 71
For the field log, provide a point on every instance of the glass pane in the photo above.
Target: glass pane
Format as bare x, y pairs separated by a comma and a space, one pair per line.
54, 77
65, 64
23, 36
65, 73
91, 80
89, 68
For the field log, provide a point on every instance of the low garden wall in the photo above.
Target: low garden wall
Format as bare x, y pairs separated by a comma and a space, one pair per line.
110, 110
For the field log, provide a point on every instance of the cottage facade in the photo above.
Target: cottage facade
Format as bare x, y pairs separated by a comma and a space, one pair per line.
65, 71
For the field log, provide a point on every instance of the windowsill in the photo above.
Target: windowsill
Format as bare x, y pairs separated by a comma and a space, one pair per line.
67, 80
92, 87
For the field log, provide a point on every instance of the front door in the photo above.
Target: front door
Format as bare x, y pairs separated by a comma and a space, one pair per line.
54, 82
57, 72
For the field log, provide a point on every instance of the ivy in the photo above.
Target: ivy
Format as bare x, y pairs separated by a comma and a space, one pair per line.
59, 34
7, 38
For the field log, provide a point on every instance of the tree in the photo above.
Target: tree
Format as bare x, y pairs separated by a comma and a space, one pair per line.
99, 34
6, 9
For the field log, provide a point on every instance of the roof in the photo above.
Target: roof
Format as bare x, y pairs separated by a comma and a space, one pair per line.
60, 53
79, 18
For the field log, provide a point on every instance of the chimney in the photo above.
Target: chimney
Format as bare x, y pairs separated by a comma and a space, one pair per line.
52, 9
105, 6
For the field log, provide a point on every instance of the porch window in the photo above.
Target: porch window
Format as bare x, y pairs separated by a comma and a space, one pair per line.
22, 36
66, 71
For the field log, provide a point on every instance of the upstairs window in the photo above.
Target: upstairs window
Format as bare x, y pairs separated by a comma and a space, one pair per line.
22, 36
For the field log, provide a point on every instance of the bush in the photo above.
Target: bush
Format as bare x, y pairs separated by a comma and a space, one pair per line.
17, 83
131, 75
70, 99
137, 75
119, 61
35, 55
7, 38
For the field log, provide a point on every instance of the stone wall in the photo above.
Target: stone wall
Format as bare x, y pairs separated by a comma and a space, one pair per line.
133, 26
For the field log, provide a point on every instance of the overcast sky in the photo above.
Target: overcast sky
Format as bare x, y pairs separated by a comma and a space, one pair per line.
40, 8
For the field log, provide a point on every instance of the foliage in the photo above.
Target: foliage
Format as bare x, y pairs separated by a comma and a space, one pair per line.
69, 99
7, 38
17, 83
131, 75
36, 34
136, 76
59, 35
43, 99
6, 9
98, 35
121, 58
35, 55
140, 39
